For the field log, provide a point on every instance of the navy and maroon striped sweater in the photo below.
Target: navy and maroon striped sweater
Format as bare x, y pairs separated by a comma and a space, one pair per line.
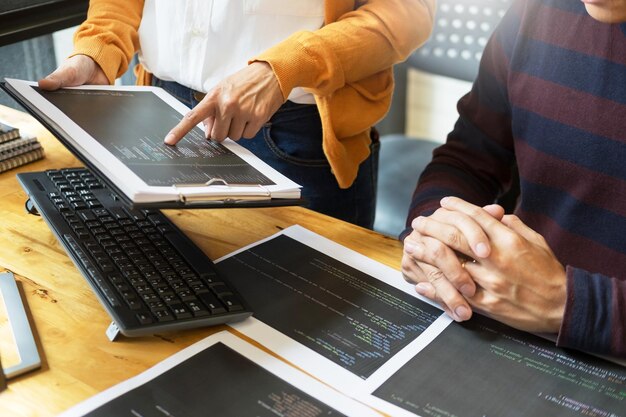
551, 95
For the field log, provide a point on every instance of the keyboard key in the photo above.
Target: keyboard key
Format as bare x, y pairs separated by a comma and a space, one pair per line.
181, 311
212, 303
197, 309
231, 302
134, 214
163, 315
144, 318
86, 215
118, 213
220, 288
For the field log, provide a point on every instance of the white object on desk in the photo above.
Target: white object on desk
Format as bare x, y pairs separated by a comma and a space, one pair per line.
22, 334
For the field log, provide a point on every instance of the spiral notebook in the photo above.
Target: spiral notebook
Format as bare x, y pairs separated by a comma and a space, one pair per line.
22, 159
8, 132
17, 147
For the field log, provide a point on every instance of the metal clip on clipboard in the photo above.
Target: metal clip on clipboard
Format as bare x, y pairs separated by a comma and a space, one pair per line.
264, 193
22, 334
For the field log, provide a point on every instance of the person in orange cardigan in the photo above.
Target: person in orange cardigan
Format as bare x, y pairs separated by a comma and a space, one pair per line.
303, 81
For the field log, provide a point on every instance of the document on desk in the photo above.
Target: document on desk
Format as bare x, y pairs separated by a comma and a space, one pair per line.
119, 131
221, 375
356, 325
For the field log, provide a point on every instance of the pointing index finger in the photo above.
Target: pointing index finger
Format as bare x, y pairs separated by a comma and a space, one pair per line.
188, 122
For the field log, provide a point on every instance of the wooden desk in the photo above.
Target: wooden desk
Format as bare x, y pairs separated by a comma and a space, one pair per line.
69, 322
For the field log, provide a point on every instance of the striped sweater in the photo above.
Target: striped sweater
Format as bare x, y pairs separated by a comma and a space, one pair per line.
551, 95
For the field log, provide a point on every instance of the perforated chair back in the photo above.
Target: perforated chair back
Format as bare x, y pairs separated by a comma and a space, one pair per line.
460, 33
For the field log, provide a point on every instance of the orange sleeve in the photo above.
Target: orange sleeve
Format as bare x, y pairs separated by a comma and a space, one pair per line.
360, 43
347, 65
110, 34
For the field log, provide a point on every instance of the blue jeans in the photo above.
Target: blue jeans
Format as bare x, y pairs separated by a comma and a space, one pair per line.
291, 143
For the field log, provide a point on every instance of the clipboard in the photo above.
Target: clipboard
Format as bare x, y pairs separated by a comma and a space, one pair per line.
182, 203
22, 333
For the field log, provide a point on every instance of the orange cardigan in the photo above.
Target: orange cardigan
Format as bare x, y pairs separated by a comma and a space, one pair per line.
346, 64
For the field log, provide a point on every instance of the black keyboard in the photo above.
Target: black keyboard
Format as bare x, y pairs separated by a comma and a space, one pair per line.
148, 275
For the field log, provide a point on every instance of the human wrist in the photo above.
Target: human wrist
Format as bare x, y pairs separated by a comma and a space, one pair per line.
557, 296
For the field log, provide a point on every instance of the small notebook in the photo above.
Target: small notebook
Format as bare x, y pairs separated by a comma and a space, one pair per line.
22, 159
8, 132
18, 146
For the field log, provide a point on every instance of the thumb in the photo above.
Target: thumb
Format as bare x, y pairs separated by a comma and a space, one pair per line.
64, 76
496, 211
515, 224
76, 70
51, 82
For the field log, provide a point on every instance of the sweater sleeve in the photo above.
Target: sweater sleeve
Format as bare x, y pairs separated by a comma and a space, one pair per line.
476, 160
110, 34
357, 45
347, 66
595, 313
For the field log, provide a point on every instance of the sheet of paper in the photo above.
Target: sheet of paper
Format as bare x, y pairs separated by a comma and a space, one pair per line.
224, 376
347, 320
344, 318
485, 368
120, 129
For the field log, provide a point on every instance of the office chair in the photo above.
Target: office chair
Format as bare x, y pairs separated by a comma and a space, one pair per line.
454, 49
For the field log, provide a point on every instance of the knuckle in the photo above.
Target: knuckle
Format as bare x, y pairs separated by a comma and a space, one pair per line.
496, 285
499, 287
493, 304
420, 224
230, 106
458, 277
514, 242
440, 211
474, 211
210, 98
71, 73
415, 235
538, 238
453, 238
438, 250
191, 115
407, 277
407, 273
406, 263
514, 218
435, 276
252, 129
248, 134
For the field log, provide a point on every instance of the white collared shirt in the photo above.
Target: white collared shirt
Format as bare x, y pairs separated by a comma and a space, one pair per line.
197, 43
